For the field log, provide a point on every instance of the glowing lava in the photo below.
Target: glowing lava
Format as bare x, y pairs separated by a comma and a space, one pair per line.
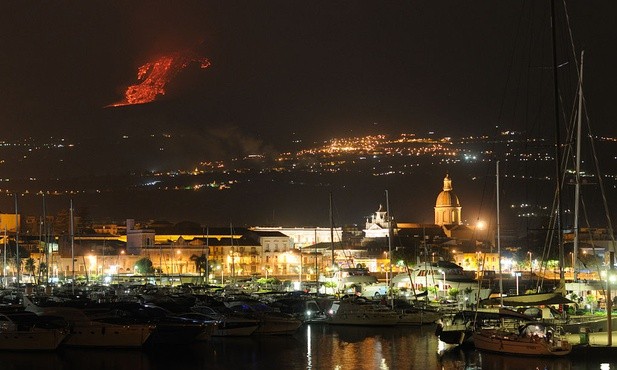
154, 76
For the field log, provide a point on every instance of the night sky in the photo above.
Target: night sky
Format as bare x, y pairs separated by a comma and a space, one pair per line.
318, 68
310, 70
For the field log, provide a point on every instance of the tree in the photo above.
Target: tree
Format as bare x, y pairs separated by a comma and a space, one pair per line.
403, 254
201, 263
144, 266
30, 266
42, 271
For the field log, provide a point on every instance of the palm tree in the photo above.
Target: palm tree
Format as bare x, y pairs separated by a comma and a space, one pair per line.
201, 263
42, 271
30, 266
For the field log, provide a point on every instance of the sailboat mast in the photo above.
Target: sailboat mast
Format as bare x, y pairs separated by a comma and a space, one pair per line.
331, 230
72, 247
207, 255
557, 149
389, 218
17, 259
577, 188
499, 239
4, 260
46, 242
233, 257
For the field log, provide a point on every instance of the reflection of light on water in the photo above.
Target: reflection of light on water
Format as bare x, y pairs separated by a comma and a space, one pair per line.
605, 366
383, 364
309, 364
441, 347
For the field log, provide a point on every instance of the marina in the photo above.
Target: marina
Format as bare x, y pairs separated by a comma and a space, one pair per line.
314, 346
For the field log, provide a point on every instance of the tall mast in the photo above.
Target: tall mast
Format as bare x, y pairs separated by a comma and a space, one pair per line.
4, 260
46, 242
17, 259
557, 149
316, 266
207, 255
577, 188
499, 240
331, 230
233, 257
71, 232
389, 218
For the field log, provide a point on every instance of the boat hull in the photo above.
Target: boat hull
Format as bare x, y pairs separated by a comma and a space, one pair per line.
108, 335
32, 340
514, 345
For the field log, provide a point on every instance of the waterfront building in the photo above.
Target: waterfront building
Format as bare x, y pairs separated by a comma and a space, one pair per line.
378, 225
305, 236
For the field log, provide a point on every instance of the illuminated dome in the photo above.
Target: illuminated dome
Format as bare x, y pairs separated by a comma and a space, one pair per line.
447, 205
447, 198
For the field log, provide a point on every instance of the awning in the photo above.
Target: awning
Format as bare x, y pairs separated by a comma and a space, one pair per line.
540, 299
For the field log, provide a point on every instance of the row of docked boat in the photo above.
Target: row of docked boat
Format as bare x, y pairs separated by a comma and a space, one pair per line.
46, 325
363, 312
535, 329
150, 318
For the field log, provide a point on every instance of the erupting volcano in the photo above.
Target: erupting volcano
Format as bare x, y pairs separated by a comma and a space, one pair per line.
155, 75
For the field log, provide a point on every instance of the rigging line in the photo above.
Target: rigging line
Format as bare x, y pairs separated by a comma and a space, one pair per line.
600, 181
591, 240
591, 139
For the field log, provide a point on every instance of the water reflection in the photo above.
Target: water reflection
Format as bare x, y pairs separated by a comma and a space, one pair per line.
314, 347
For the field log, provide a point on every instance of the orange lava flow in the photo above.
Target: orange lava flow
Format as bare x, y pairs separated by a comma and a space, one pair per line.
155, 75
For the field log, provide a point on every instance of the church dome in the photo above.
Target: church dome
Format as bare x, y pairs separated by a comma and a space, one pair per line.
447, 198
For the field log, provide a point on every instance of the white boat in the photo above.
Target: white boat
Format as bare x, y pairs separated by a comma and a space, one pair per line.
444, 276
531, 340
226, 325
86, 332
270, 321
26, 331
361, 312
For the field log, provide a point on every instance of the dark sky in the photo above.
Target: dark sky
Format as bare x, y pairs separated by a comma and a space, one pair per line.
316, 68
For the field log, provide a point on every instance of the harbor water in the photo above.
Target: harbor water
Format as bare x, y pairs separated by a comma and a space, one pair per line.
315, 346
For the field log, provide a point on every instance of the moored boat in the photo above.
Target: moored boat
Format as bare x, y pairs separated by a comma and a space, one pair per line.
87, 332
361, 312
270, 321
226, 325
26, 331
532, 339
